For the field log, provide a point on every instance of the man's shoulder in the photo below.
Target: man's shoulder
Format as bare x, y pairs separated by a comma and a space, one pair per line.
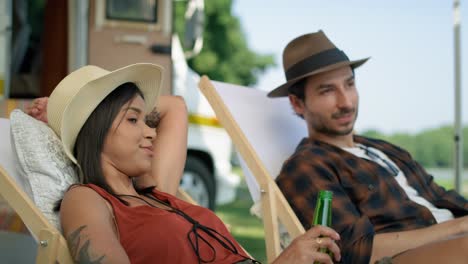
311, 152
310, 159
311, 147
365, 139
380, 144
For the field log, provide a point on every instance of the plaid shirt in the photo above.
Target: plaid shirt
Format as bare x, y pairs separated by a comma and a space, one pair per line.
367, 200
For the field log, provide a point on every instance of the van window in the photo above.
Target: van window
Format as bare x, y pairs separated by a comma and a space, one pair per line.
135, 10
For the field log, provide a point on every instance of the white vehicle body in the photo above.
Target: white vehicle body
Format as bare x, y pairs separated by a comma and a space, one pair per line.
206, 139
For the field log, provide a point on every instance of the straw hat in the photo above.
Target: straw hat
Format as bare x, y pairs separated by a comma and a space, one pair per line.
308, 55
77, 95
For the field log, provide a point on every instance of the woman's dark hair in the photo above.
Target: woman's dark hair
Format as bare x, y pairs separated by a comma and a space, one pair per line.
90, 140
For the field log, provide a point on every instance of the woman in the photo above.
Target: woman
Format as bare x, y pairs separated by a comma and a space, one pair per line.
106, 122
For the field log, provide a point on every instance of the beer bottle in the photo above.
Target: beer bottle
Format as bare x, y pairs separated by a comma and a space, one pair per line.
323, 213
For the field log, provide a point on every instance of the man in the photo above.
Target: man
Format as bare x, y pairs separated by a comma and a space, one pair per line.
385, 205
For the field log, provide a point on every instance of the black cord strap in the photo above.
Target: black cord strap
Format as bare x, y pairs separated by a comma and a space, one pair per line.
194, 236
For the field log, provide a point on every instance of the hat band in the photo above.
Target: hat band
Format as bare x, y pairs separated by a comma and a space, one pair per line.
316, 62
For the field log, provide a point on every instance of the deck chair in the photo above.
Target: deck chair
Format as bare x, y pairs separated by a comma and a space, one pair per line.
15, 190
52, 246
265, 133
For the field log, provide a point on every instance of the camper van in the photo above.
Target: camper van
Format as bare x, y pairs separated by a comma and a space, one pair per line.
41, 41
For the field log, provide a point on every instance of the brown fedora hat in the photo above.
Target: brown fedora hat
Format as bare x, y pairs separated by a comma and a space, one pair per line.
308, 55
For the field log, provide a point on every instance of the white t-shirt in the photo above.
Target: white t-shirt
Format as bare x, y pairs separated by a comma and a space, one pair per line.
439, 214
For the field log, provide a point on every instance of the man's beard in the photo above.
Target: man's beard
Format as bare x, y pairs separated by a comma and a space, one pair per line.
322, 128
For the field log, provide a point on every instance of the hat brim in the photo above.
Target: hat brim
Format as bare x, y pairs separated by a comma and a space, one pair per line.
148, 78
282, 90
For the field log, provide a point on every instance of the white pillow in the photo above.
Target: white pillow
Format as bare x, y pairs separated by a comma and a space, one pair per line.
7, 160
42, 161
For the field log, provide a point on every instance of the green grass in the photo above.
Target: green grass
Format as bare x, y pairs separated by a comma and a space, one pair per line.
248, 229
448, 185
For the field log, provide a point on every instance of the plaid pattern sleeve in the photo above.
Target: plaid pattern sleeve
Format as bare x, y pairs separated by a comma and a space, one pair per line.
367, 199
422, 181
302, 177
436, 194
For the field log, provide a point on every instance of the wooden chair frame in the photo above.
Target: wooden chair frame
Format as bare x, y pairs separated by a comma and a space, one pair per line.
52, 246
274, 205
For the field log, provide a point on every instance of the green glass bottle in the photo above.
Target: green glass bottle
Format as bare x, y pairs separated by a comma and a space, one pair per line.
323, 213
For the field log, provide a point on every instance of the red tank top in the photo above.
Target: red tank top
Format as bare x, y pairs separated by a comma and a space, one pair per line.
153, 235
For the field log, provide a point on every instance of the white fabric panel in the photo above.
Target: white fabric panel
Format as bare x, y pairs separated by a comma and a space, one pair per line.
269, 124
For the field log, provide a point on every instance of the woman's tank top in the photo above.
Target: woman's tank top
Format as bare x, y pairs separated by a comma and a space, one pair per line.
154, 235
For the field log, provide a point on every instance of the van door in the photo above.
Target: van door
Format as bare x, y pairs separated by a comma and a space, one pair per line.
126, 32
5, 42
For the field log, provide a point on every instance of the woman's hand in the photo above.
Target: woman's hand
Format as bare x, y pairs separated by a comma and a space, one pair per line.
38, 109
305, 248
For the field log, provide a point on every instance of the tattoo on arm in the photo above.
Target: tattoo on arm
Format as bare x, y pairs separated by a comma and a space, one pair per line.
79, 250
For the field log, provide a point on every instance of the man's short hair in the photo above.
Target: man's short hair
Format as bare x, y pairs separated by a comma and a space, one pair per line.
297, 89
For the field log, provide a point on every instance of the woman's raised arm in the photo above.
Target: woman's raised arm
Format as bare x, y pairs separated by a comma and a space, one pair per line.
170, 146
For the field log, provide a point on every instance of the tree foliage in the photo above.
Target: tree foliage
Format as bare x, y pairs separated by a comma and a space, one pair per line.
431, 148
225, 55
